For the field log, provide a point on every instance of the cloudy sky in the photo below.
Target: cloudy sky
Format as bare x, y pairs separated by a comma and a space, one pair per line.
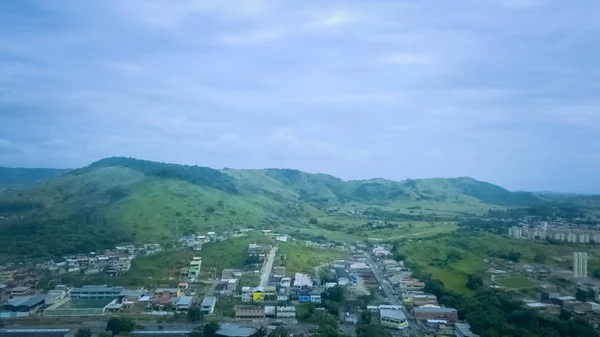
506, 91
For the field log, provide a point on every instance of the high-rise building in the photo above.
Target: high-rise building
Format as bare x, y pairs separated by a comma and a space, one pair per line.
580, 261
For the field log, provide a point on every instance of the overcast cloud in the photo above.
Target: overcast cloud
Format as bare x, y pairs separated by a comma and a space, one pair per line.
506, 91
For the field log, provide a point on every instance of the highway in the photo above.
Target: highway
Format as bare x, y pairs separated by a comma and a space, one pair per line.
413, 330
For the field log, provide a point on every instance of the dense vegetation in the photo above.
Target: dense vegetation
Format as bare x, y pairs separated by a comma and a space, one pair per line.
122, 200
494, 313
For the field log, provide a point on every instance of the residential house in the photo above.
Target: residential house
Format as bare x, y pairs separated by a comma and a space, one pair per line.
208, 305
194, 271
249, 312
425, 313
577, 306
257, 253
247, 294
286, 312
182, 303
21, 291
463, 330
164, 295
302, 280
259, 294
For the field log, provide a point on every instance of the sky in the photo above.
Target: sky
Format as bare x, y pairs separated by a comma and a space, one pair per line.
506, 91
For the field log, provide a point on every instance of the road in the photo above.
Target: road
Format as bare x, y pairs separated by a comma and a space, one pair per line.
392, 298
267, 267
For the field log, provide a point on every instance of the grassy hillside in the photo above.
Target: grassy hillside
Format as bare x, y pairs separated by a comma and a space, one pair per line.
13, 177
118, 200
453, 257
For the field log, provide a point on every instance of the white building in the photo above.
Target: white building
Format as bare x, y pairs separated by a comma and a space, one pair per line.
301, 280
247, 293
580, 261
286, 312
208, 305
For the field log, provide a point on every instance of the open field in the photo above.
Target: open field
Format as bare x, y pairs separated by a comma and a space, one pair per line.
301, 258
452, 257
514, 282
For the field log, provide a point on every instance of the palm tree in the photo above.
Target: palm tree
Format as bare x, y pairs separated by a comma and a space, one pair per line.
260, 332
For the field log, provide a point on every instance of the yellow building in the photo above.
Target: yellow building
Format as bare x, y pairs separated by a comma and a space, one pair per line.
181, 289
258, 296
6, 275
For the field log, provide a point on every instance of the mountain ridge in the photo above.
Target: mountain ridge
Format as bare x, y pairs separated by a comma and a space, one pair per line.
118, 199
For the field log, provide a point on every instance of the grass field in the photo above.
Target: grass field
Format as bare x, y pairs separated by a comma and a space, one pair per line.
301, 258
434, 255
514, 282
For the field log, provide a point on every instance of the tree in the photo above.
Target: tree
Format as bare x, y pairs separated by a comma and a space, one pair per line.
584, 295
564, 315
261, 331
367, 330
197, 332
210, 329
279, 331
474, 282
194, 314
83, 332
540, 258
120, 324
2, 324
335, 293
313, 221
365, 317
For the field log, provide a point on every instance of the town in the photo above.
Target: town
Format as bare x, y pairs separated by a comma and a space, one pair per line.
368, 283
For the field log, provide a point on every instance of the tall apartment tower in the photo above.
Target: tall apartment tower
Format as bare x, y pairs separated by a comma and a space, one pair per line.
580, 261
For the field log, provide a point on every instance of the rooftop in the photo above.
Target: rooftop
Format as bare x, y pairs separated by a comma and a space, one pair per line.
394, 314
234, 330
209, 301
433, 309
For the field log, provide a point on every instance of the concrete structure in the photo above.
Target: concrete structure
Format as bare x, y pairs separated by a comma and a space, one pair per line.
343, 276
247, 294
301, 280
249, 312
393, 318
194, 271
257, 253
25, 303
234, 330
182, 303
580, 261
435, 313
208, 305
95, 292
463, 330
286, 312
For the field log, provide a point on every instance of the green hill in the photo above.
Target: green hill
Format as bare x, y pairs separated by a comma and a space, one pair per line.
15, 177
117, 200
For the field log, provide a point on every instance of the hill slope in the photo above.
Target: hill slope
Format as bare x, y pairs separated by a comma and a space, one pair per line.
119, 200
12, 177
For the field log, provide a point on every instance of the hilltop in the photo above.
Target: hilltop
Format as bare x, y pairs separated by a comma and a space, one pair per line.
118, 200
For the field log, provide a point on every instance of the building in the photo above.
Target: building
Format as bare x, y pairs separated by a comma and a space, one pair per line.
436, 327
258, 294
208, 305
577, 306
580, 261
249, 312
286, 312
194, 271
393, 318
419, 300
343, 276
25, 303
182, 303
21, 291
463, 330
315, 298
279, 271
302, 280
234, 330
257, 253
95, 292
164, 295
426, 313
37, 332
247, 294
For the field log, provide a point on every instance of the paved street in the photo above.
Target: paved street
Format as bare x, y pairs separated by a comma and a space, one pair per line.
266, 271
392, 298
